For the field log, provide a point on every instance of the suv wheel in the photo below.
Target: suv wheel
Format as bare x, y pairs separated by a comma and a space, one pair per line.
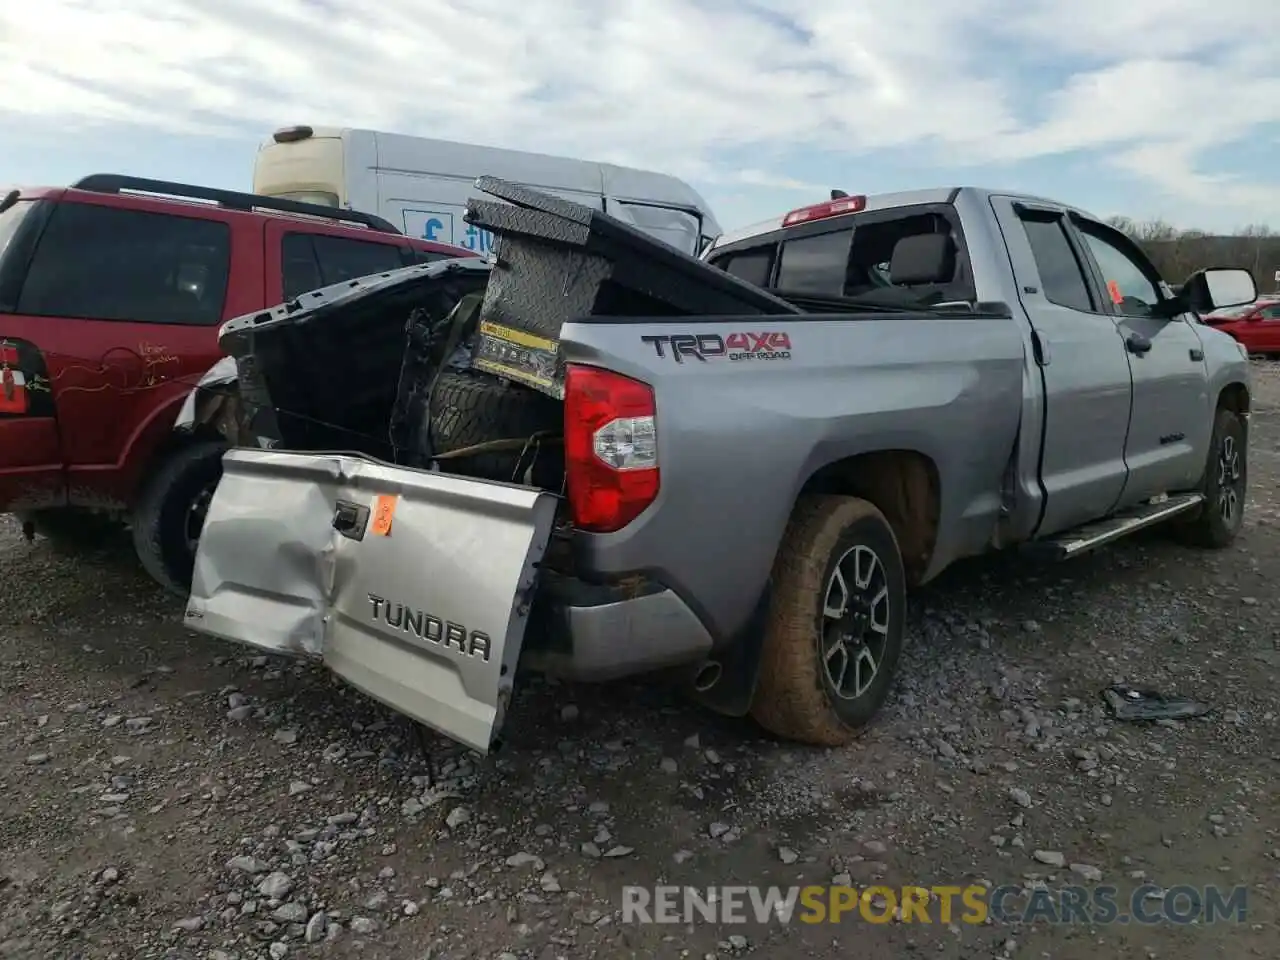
834, 632
170, 512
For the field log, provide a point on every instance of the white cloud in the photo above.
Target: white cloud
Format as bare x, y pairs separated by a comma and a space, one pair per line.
1159, 88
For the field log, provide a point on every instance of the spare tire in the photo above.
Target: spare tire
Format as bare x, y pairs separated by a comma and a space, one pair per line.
469, 408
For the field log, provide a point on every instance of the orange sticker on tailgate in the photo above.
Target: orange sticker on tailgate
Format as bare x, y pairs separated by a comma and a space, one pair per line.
384, 511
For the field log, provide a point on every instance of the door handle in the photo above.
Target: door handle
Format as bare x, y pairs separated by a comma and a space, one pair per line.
350, 519
1137, 343
1196, 355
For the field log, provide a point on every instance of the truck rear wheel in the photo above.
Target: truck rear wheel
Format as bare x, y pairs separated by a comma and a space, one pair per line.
170, 512
834, 632
1225, 481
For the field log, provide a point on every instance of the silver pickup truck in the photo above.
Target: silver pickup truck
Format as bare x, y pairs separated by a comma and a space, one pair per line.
738, 497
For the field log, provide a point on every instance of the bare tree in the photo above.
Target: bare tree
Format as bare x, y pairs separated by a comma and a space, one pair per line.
1178, 253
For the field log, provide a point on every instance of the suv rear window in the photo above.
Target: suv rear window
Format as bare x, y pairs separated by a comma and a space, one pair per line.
314, 260
9, 222
106, 263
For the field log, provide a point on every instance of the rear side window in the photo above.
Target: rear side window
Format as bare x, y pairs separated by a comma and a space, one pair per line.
816, 264
428, 256
753, 266
298, 265
105, 263
9, 221
1061, 275
312, 260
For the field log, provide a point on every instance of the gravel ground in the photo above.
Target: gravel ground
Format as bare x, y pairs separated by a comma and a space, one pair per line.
168, 795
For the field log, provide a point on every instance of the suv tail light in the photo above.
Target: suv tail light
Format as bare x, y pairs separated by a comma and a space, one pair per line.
610, 448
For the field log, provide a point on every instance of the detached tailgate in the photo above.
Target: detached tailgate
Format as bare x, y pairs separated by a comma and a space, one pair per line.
414, 587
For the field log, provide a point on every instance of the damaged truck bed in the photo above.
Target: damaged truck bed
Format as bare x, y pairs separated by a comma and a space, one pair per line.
597, 457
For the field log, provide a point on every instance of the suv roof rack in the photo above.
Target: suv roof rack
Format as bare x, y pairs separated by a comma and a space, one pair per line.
231, 199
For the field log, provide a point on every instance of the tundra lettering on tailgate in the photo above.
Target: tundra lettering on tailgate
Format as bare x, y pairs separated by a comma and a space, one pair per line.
418, 623
770, 345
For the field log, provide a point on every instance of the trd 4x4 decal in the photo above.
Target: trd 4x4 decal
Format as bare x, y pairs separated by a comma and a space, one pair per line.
770, 345
24, 383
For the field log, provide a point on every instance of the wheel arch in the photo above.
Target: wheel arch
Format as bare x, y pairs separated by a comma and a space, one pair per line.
1234, 397
904, 485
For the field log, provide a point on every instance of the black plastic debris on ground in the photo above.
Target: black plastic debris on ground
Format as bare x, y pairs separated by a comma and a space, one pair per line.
1128, 703
559, 261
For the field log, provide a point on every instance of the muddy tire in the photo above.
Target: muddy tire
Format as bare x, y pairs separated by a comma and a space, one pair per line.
1225, 482
70, 530
470, 407
834, 630
170, 512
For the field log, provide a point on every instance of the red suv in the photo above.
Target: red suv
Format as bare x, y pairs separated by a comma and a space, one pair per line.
111, 295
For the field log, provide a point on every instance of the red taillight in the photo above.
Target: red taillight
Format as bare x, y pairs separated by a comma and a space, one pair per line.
610, 448
821, 211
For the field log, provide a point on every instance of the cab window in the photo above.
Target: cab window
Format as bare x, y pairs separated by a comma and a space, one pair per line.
754, 265
816, 264
1130, 284
1062, 276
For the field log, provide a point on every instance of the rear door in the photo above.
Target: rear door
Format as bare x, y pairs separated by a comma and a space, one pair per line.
123, 305
302, 256
415, 587
1082, 363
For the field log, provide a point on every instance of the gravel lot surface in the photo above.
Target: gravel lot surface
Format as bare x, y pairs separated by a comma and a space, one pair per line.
167, 795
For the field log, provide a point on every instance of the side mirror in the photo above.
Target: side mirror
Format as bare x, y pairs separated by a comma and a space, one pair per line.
1217, 287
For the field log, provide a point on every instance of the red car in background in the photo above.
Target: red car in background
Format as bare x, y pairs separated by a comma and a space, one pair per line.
1256, 325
